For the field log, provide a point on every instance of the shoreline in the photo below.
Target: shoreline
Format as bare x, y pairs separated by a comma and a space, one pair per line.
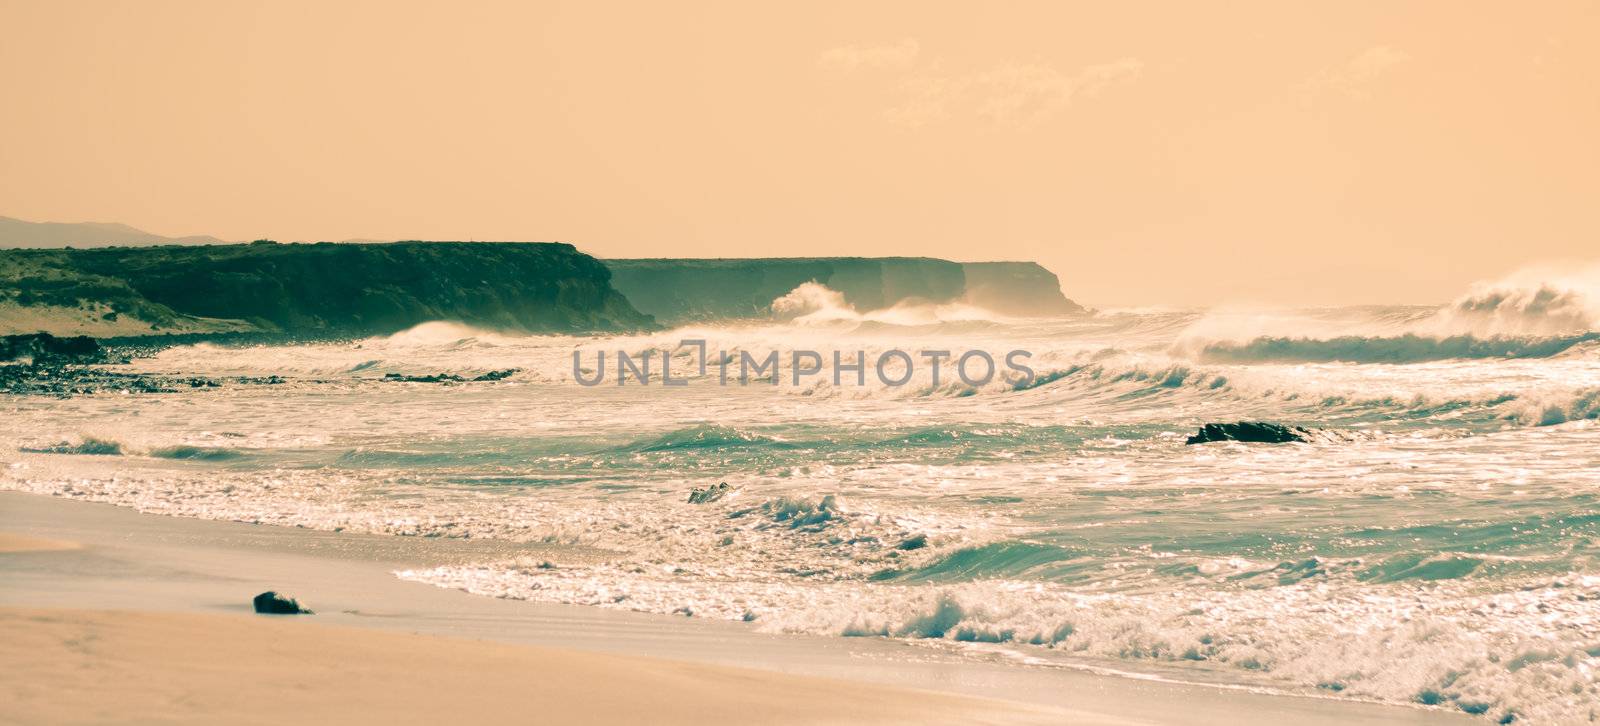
185, 567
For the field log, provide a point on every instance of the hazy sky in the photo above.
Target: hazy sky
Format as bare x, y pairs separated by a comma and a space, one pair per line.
1172, 153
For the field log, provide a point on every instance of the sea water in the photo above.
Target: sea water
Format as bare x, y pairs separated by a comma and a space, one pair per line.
1440, 549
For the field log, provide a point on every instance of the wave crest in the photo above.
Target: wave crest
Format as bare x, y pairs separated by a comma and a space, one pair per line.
1407, 348
705, 436
1536, 308
88, 445
813, 303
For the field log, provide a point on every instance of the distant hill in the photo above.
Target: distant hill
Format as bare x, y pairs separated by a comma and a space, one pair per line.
17, 233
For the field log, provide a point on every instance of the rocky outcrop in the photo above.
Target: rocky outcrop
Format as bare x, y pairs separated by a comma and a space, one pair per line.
46, 348
491, 376
325, 288
704, 495
271, 603
1258, 432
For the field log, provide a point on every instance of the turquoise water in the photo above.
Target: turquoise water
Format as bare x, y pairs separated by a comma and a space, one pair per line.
1442, 549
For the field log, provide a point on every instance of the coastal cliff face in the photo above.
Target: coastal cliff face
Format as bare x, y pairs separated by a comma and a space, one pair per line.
309, 289
700, 289
676, 290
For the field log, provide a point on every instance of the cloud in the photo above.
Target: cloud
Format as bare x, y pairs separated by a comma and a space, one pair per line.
1374, 61
926, 99
898, 56
1023, 95
1354, 77
1014, 95
1008, 95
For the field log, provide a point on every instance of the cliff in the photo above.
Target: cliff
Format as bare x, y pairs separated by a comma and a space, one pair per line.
1016, 288
676, 290
309, 289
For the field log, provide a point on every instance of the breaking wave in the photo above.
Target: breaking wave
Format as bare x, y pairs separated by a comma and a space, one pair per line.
707, 436
1529, 302
813, 303
87, 445
93, 446
199, 453
1407, 348
1531, 314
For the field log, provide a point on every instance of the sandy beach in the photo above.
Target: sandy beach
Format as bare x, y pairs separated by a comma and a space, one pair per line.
13, 544
90, 666
112, 616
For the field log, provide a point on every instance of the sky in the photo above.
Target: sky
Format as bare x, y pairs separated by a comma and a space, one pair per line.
1148, 153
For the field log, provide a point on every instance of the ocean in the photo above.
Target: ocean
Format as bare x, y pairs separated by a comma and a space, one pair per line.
1434, 542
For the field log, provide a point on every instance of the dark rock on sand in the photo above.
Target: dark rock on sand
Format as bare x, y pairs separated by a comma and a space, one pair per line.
702, 495
1258, 432
271, 603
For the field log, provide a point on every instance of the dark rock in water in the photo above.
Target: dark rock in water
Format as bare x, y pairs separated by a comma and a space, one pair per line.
1257, 432
499, 375
435, 378
64, 367
915, 542
271, 603
702, 495
44, 347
